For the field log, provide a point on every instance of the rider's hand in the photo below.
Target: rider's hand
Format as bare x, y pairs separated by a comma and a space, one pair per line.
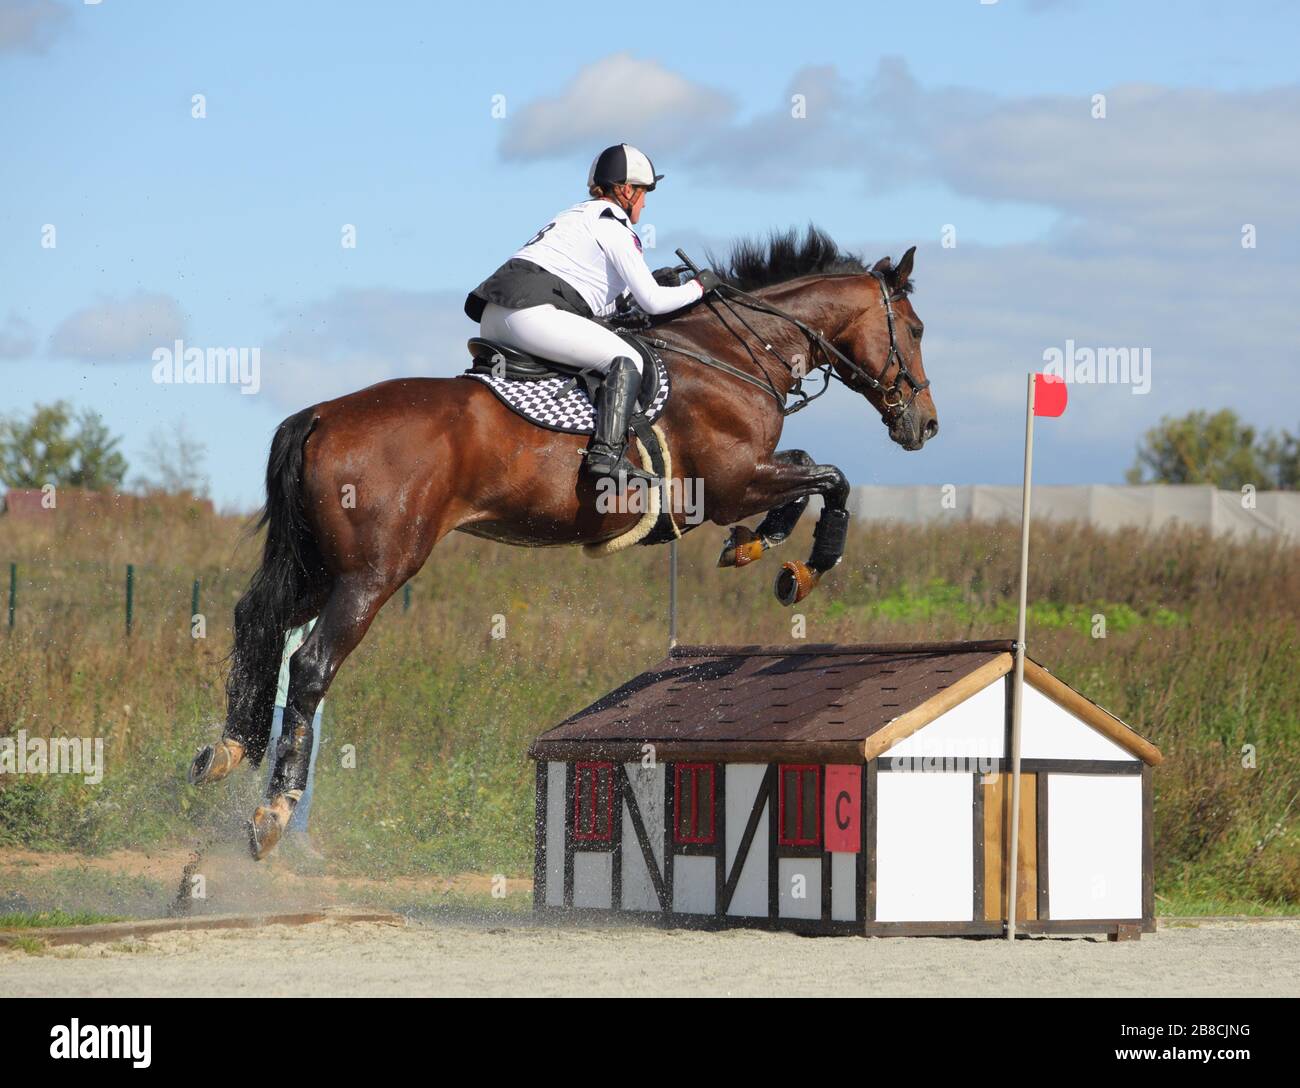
708, 280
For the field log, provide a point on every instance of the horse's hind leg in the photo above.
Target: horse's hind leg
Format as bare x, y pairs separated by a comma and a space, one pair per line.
353, 603
743, 546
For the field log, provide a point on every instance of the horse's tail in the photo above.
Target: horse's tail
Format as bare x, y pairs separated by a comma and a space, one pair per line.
281, 589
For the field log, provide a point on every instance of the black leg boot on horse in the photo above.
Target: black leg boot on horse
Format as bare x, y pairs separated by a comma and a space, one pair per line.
615, 406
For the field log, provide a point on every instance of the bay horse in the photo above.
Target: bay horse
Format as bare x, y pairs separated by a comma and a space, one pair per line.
360, 489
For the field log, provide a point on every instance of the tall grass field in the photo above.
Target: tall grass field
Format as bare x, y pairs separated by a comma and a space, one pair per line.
422, 766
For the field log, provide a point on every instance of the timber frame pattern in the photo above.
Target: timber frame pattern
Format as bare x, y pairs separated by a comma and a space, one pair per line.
864, 895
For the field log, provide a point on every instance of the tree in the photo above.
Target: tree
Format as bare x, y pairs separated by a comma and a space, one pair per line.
1201, 448
46, 450
1282, 455
174, 464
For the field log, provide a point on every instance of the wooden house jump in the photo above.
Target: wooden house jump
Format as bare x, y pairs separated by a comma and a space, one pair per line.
845, 789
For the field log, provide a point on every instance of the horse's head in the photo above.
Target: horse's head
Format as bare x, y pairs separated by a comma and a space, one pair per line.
883, 341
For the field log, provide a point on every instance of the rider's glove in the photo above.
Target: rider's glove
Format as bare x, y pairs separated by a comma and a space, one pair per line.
708, 280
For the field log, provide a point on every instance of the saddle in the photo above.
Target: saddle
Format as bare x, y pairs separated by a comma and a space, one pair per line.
559, 397
491, 357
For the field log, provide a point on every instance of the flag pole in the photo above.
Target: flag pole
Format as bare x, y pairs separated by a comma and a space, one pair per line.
1017, 688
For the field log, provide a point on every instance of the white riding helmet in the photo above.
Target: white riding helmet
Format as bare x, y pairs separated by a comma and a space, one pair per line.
623, 164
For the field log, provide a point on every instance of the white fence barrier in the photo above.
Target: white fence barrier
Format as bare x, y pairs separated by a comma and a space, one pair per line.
1105, 506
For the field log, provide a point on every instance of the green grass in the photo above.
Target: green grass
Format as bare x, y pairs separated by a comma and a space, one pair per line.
45, 919
1200, 656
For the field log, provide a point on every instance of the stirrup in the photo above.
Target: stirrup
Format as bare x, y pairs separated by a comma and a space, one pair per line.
602, 463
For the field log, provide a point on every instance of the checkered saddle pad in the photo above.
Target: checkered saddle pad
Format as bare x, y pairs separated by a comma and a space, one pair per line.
560, 403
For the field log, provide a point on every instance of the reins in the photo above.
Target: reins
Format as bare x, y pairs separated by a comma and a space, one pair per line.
891, 394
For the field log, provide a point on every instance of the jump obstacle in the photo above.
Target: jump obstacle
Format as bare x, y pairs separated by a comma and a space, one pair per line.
846, 789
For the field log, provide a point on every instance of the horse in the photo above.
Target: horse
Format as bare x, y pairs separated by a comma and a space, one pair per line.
360, 489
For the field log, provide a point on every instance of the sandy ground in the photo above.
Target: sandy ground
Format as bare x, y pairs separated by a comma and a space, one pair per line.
453, 945
144, 883
486, 959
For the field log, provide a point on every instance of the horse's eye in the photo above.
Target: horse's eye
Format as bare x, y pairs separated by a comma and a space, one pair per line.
917, 333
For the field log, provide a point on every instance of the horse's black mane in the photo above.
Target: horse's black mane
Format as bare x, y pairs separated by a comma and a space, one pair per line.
754, 263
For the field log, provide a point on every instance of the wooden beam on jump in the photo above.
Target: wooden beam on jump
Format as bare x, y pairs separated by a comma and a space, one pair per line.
953, 695
1099, 718
116, 931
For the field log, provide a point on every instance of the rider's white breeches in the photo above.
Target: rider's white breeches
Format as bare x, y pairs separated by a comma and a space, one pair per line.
556, 334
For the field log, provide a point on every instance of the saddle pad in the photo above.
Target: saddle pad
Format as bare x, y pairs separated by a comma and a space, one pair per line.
542, 402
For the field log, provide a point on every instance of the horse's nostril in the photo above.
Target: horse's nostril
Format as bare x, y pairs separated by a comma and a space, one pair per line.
931, 429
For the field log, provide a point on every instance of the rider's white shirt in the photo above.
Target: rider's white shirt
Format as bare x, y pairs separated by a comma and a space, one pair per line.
593, 247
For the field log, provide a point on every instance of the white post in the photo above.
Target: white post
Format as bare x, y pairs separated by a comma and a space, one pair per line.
1017, 687
672, 594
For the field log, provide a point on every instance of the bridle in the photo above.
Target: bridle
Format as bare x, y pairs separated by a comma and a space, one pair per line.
896, 402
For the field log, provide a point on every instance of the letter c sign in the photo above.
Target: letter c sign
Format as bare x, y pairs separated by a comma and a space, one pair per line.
843, 808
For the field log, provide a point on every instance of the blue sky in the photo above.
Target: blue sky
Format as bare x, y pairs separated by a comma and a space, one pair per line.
225, 230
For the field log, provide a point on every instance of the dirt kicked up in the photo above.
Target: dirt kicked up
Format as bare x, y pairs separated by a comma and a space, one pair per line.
468, 958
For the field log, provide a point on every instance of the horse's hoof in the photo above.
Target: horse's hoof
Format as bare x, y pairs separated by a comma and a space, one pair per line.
213, 762
741, 548
795, 581
267, 826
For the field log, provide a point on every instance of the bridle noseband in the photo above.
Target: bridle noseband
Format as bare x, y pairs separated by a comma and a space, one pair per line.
892, 395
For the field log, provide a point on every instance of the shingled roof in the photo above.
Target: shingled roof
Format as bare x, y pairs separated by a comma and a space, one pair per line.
820, 703
814, 702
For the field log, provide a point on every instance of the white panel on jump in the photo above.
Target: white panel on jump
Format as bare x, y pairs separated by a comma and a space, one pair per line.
844, 887
787, 872
1049, 731
742, 785
591, 879
694, 884
648, 792
1094, 846
556, 792
975, 729
924, 847
750, 897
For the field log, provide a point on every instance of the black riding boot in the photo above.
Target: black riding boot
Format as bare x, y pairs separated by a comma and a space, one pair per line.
615, 406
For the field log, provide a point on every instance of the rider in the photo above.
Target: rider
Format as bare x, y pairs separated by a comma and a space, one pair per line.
548, 298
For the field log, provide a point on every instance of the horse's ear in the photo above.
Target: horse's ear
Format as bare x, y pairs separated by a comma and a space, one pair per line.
883, 267
904, 269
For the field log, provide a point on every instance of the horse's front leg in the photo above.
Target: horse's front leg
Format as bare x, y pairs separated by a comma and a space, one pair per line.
782, 487
744, 545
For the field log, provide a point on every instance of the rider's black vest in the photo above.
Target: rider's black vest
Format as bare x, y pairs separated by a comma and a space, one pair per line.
519, 283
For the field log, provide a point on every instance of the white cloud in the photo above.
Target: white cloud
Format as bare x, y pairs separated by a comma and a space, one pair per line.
120, 330
618, 98
355, 338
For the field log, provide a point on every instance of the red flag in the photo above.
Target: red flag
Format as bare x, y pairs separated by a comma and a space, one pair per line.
1049, 395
